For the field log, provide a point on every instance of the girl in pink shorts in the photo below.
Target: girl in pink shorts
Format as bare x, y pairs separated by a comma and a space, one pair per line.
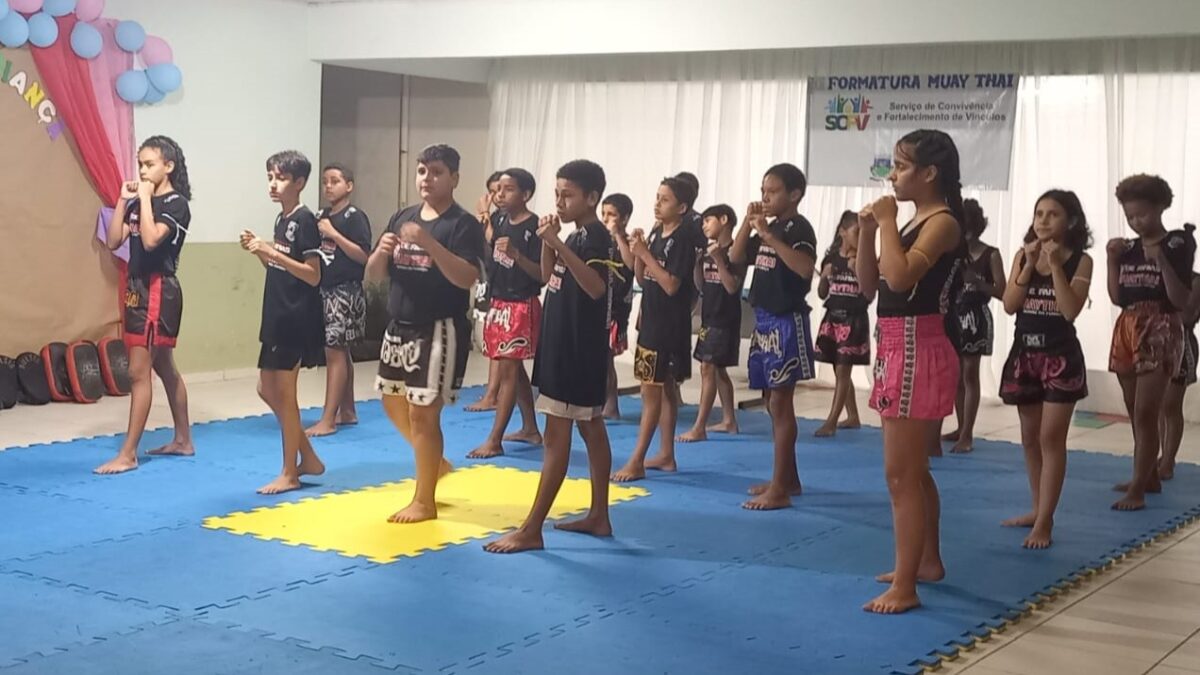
916, 367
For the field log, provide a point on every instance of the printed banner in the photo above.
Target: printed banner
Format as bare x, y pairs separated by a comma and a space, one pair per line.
854, 122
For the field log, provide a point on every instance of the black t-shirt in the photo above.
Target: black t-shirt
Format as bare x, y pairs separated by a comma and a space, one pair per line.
1040, 324
574, 336
775, 287
291, 308
975, 294
621, 290
506, 279
718, 307
419, 292
666, 319
844, 292
1141, 280
171, 210
934, 293
339, 267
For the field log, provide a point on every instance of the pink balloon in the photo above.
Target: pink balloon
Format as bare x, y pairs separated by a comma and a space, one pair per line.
89, 10
25, 6
156, 51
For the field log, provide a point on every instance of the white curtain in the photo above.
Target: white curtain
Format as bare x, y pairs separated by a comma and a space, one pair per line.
1088, 114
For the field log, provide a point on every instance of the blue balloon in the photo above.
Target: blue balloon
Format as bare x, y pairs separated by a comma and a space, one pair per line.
86, 41
132, 86
58, 7
153, 95
14, 30
43, 30
3, 9
131, 36
165, 77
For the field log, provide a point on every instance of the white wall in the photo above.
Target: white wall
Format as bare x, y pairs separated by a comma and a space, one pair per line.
442, 111
488, 28
249, 90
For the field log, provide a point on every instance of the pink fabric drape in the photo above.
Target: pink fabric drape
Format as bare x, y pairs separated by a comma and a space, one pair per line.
116, 114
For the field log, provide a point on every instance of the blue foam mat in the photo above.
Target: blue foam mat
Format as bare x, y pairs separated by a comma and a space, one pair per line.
692, 583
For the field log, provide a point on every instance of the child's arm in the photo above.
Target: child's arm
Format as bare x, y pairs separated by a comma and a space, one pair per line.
458, 271
639, 267
1116, 246
118, 231
352, 249
739, 252
669, 282
152, 232
866, 261
622, 241
1070, 294
998, 281
377, 263
308, 271
549, 257
823, 286
1193, 310
1178, 291
1018, 282
588, 279
903, 269
800, 260
530, 267
729, 279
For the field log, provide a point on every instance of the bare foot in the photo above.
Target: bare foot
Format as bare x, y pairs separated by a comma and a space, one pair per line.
692, 435
283, 483
756, 490
1154, 487
119, 464
488, 449
613, 416
311, 467
445, 468
1039, 537
320, 429
724, 428
893, 602
1166, 470
926, 574
850, 423
175, 449
414, 513
530, 437
768, 501
482, 405
1026, 520
515, 542
826, 430
660, 463
347, 420
629, 473
595, 526
963, 446
1128, 503
950, 437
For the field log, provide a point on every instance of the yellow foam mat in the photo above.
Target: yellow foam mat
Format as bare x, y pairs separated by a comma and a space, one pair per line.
473, 503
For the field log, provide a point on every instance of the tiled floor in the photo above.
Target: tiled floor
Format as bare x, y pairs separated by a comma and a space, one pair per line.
1143, 616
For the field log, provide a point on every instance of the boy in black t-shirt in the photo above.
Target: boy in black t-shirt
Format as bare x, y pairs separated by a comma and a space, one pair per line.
665, 266
292, 332
489, 214
615, 212
784, 254
570, 370
513, 322
153, 216
720, 284
431, 251
345, 239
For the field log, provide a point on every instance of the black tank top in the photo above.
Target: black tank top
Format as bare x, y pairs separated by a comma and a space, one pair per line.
974, 295
933, 292
1039, 323
844, 292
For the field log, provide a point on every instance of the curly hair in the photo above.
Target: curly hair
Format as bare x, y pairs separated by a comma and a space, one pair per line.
1145, 188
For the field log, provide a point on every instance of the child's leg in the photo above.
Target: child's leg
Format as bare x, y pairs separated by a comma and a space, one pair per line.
596, 522
841, 390
1146, 410
425, 427
1031, 440
554, 469
1056, 422
852, 420
141, 395
491, 395
968, 403
652, 403
506, 400
612, 409
164, 365
785, 479
529, 427
667, 419
708, 395
1172, 430
914, 513
728, 423
347, 414
1128, 384
335, 392
298, 457
959, 399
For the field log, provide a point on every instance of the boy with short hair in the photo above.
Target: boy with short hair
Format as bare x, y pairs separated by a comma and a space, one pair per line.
292, 332
431, 251
514, 317
720, 283
345, 240
570, 368
665, 265
615, 212
784, 253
